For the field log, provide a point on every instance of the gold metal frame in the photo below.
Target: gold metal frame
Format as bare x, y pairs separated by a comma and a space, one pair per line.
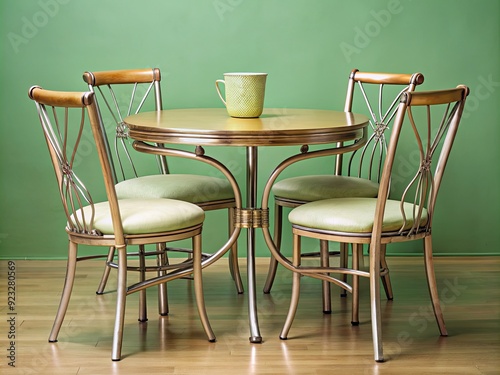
428, 138
58, 131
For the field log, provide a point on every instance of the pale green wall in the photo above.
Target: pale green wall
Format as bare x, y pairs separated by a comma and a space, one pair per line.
308, 47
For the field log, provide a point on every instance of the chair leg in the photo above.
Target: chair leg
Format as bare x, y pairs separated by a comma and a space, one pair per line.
234, 267
294, 301
375, 304
343, 263
431, 282
162, 260
121, 299
143, 308
198, 288
325, 262
361, 258
357, 250
66, 293
273, 263
386, 279
107, 269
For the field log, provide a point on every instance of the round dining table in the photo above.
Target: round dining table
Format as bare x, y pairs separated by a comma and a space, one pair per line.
199, 127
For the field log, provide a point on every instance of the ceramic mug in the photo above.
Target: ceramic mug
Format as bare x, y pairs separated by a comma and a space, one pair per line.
244, 93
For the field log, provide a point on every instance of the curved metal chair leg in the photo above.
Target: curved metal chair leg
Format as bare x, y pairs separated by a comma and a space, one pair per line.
121, 298
143, 306
375, 306
344, 257
273, 263
66, 293
294, 302
386, 279
107, 269
198, 288
357, 250
431, 282
162, 260
325, 262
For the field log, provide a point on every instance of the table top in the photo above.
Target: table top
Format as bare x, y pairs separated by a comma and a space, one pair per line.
276, 126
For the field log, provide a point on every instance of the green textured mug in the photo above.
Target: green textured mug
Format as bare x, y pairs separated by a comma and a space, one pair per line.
244, 93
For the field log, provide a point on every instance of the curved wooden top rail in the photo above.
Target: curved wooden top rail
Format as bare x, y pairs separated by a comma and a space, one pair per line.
110, 77
387, 78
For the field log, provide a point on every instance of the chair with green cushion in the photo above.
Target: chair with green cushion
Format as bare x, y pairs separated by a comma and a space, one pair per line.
66, 118
359, 175
121, 93
421, 139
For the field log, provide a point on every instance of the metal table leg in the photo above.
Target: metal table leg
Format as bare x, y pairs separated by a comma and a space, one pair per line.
255, 336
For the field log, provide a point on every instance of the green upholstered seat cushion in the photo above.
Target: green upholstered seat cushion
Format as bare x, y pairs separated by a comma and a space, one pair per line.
315, 187
185, 187
141, 216
353, 215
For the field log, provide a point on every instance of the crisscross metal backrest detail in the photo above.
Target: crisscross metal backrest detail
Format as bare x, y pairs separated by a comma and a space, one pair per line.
124, 93
433, 118
63, 129
64, 117
367, 162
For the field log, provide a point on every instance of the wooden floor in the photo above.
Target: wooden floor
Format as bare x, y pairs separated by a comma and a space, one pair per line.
318, 343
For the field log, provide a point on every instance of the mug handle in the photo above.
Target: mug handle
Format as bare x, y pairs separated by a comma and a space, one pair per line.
218, 89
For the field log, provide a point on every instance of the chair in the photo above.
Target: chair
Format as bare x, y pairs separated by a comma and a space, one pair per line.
118, 224
424, 129
126, 92
359, 177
